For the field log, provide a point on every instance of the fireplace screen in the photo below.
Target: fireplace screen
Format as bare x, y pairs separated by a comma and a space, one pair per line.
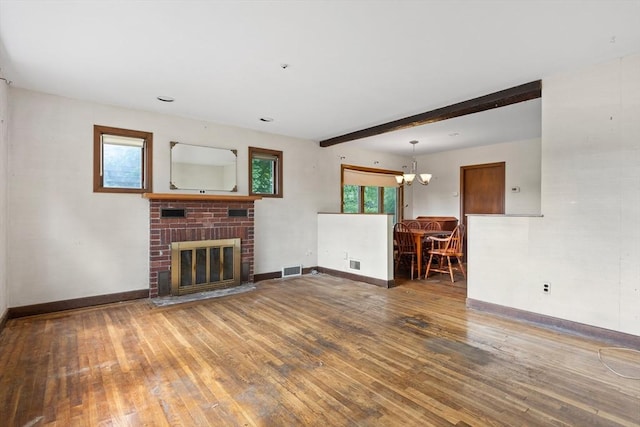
204, 265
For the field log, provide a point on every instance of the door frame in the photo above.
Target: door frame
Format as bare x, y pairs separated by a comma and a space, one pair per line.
463, 214
463, 169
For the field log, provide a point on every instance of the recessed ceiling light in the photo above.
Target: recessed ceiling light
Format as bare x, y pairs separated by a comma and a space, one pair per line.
165, 99
266, 119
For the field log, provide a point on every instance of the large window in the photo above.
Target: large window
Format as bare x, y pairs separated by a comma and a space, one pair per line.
368, 190
121, 160
265, 172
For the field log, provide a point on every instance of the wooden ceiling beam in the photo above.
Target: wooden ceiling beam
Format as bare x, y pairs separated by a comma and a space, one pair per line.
513, 95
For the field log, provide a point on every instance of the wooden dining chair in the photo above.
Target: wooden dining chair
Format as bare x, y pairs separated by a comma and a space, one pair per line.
406, 247
428, 243
447, 248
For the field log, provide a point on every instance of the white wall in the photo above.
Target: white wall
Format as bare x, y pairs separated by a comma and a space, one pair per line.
67, 242
587, 245
286, 233
360, 237
522, 160
4, 94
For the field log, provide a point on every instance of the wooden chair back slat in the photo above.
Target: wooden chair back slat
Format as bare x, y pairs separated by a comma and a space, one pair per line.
454, 243
431, 226
412, 224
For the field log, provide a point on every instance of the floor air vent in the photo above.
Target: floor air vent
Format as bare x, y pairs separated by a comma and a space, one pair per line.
296, 270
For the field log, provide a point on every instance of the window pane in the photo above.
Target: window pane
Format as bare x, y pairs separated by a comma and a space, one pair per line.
263, 174
371, 204
215, 264
122, 166
201, 266
351, 199
391, 201
185, 268
227, 264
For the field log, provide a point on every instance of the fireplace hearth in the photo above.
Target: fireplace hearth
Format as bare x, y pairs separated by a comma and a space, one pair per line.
206, 218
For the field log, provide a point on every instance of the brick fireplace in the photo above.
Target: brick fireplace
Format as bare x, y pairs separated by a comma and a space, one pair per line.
190, 217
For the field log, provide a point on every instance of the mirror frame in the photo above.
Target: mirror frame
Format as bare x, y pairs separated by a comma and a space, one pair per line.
203, 186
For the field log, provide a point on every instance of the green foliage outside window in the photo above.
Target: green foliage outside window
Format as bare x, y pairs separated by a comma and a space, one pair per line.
351, 199
390, 202
351, 202
263, 174
371, 204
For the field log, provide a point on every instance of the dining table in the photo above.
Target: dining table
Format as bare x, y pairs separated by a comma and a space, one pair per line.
419, 236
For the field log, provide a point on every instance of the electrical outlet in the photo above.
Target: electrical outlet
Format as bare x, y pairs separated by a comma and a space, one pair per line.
546, 287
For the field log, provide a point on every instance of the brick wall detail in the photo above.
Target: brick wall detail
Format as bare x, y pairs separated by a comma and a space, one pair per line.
204, 220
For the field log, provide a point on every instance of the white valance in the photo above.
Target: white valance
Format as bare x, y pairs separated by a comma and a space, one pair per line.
368, 179
122, 140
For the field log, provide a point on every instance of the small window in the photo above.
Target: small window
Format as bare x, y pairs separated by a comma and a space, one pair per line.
121, 160
265, 172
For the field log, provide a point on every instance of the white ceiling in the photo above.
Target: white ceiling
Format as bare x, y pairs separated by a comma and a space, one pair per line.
351, 64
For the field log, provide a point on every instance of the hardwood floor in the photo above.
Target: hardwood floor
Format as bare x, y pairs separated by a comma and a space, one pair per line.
313, 350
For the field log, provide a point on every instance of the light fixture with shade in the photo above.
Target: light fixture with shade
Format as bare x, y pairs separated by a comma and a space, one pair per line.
408, 178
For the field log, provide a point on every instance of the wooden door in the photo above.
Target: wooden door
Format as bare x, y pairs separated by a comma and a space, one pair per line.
482, 190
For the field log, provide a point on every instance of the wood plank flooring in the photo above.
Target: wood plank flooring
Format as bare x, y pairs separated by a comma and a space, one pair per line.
314, 350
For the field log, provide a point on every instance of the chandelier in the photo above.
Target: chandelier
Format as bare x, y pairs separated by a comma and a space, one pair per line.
408, 178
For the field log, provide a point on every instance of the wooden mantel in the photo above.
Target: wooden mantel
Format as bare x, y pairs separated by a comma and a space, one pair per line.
202, 197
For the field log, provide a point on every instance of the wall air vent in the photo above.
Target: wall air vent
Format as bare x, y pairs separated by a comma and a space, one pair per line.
238, 213
172, 213
354, 265
295, 270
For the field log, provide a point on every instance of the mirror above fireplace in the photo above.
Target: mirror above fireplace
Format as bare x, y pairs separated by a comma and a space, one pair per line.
198, 167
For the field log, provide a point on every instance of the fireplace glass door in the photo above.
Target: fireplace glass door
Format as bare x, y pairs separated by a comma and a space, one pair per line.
204, 265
